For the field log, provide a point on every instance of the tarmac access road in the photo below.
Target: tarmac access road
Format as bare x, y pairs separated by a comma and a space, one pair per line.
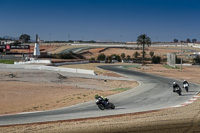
154, 92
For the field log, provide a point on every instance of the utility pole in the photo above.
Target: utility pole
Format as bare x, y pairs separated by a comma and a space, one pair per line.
121, 37
181, 57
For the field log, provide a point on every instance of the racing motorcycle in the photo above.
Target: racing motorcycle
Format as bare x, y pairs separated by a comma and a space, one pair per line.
104, 104
178, 90
186, 87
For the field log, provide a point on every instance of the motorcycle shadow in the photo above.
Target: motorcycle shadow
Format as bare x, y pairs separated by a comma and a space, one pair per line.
119, 108
187, 94
192, 91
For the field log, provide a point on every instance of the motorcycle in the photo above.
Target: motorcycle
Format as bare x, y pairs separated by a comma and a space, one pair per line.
186, 86
178, 90
104, 104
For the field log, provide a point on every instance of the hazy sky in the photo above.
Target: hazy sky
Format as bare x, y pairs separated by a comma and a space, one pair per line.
101, 20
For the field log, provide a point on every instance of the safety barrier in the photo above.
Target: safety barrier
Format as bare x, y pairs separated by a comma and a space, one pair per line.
49, 68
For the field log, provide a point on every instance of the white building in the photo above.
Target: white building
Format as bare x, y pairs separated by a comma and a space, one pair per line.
4, 42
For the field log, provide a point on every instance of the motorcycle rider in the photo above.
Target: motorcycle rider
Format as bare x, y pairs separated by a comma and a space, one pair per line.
101, 98
185, 82
176, 86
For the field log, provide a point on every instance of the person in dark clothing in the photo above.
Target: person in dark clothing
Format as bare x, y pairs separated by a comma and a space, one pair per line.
103, 99
176, 86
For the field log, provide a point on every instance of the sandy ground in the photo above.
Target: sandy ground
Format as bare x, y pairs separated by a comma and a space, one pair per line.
25, 91
172, 120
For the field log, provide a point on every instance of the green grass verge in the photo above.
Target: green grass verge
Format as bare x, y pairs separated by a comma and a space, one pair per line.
7, 61
121, 89
132, 66
169, 67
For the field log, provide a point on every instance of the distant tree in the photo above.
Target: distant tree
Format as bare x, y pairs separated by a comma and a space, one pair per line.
196, 60
116, 57
136, 54
70, 41
144, 53
123, 55
24, 38
92, 59
143, 40
194, 40
175, 40
128, 57
151, 54
188, 40
109, 58
92, 41
101, 57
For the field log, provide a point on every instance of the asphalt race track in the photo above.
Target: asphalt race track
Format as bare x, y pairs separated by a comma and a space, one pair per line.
154, 92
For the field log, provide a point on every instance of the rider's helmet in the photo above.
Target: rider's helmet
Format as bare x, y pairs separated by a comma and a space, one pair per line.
174, 83
184, 80
96, 96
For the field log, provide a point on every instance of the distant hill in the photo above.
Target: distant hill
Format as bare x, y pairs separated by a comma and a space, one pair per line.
9, 37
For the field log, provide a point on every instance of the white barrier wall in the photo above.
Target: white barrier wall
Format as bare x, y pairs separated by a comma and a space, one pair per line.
34, 61
49, 68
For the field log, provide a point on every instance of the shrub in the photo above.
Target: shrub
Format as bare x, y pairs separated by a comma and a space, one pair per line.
123, 55
151, 54
136, 54
196, 60
178, 60
156, 59
116, 57
92, 59
66, 56
101, 57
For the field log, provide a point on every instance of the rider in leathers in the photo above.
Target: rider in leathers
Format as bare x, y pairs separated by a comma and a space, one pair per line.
175, 86
185, 82
103, 99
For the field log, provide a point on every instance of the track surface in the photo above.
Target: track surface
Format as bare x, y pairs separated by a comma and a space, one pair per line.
154, 92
